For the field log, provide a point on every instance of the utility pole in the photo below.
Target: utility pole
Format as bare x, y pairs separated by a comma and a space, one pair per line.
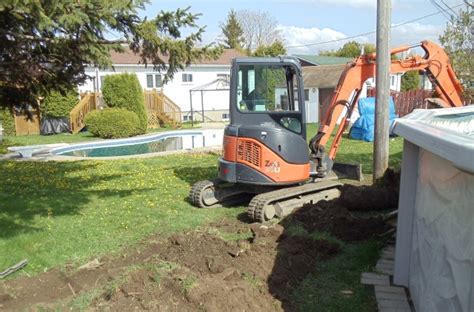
382, 82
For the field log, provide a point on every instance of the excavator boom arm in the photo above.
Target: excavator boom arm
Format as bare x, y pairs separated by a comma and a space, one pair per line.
436, 64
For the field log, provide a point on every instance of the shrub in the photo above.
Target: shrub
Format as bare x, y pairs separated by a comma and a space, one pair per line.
112, 123
57, 105
125, 91
410, 81
7, 121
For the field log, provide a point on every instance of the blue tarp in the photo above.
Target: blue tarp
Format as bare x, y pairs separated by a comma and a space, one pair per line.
363, 128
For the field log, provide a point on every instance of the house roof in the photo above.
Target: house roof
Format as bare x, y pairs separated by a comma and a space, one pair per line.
129, 57
326, 76
324, 60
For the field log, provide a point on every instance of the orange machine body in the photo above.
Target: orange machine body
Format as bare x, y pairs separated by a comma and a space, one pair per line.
256, 155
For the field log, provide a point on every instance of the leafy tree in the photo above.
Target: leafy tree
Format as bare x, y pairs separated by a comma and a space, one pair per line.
275, 49
457, 40
351, 49
410, 81
232, 32
124, 91
46, 45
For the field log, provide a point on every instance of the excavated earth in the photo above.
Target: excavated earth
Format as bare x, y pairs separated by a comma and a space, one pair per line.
226, 266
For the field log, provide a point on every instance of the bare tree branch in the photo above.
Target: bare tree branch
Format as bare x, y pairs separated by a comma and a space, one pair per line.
260, 29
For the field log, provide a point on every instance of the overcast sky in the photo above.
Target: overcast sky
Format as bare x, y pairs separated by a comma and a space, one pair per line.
313, 21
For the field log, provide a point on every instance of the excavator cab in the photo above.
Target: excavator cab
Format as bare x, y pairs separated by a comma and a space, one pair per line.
265, 143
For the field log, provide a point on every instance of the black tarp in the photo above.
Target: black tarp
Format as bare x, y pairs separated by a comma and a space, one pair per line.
54, 125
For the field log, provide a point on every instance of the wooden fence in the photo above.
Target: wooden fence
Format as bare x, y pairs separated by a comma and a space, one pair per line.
27, 123
406, 102
161, 109
87, 104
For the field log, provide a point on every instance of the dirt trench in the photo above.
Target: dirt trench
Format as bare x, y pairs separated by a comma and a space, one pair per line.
226, 266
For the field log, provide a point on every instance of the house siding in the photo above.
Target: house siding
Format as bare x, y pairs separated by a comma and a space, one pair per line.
176, 89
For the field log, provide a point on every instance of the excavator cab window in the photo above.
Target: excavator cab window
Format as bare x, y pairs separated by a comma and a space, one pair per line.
270, 89
266, 88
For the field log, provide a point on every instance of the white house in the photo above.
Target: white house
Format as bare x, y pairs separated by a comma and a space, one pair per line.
204, 76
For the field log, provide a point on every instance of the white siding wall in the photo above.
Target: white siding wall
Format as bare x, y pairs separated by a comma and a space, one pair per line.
176, 89
312, 105
395, 84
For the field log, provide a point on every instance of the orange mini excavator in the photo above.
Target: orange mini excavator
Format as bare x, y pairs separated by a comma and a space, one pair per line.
266, 156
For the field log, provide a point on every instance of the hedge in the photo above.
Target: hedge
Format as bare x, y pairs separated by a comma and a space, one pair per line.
124, 91
57, 105
8, 121
112, 123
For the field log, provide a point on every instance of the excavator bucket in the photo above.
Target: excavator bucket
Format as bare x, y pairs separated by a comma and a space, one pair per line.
348, 171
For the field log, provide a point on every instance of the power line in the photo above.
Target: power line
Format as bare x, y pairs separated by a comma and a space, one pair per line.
373, 32
440, 9
451, 9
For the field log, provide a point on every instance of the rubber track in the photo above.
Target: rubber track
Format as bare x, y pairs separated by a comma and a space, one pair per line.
256, 207
195, 195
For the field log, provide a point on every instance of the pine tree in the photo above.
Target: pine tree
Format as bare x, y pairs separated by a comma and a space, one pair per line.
232, 32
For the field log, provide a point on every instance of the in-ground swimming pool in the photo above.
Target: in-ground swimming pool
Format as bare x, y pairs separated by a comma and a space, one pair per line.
162, 142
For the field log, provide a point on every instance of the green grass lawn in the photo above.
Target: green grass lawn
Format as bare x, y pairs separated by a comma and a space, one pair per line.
324, 291
57, 212
355, 151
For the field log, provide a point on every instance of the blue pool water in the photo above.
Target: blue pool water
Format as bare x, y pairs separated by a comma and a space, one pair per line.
169, 141
162, 145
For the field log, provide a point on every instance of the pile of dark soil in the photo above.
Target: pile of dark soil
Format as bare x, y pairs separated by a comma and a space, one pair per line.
338, 218
211, 274
192, 271
383, 195
331, 217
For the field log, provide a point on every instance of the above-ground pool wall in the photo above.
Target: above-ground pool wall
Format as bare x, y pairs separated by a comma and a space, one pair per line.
435, 235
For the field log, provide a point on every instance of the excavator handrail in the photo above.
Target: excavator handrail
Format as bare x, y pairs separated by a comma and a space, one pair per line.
435, 62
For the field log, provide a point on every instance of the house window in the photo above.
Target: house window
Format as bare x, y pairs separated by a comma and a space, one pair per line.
306, 94
149, 81
153, 82
158, 81
185, 118
392, 80
225, 116
187, 78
